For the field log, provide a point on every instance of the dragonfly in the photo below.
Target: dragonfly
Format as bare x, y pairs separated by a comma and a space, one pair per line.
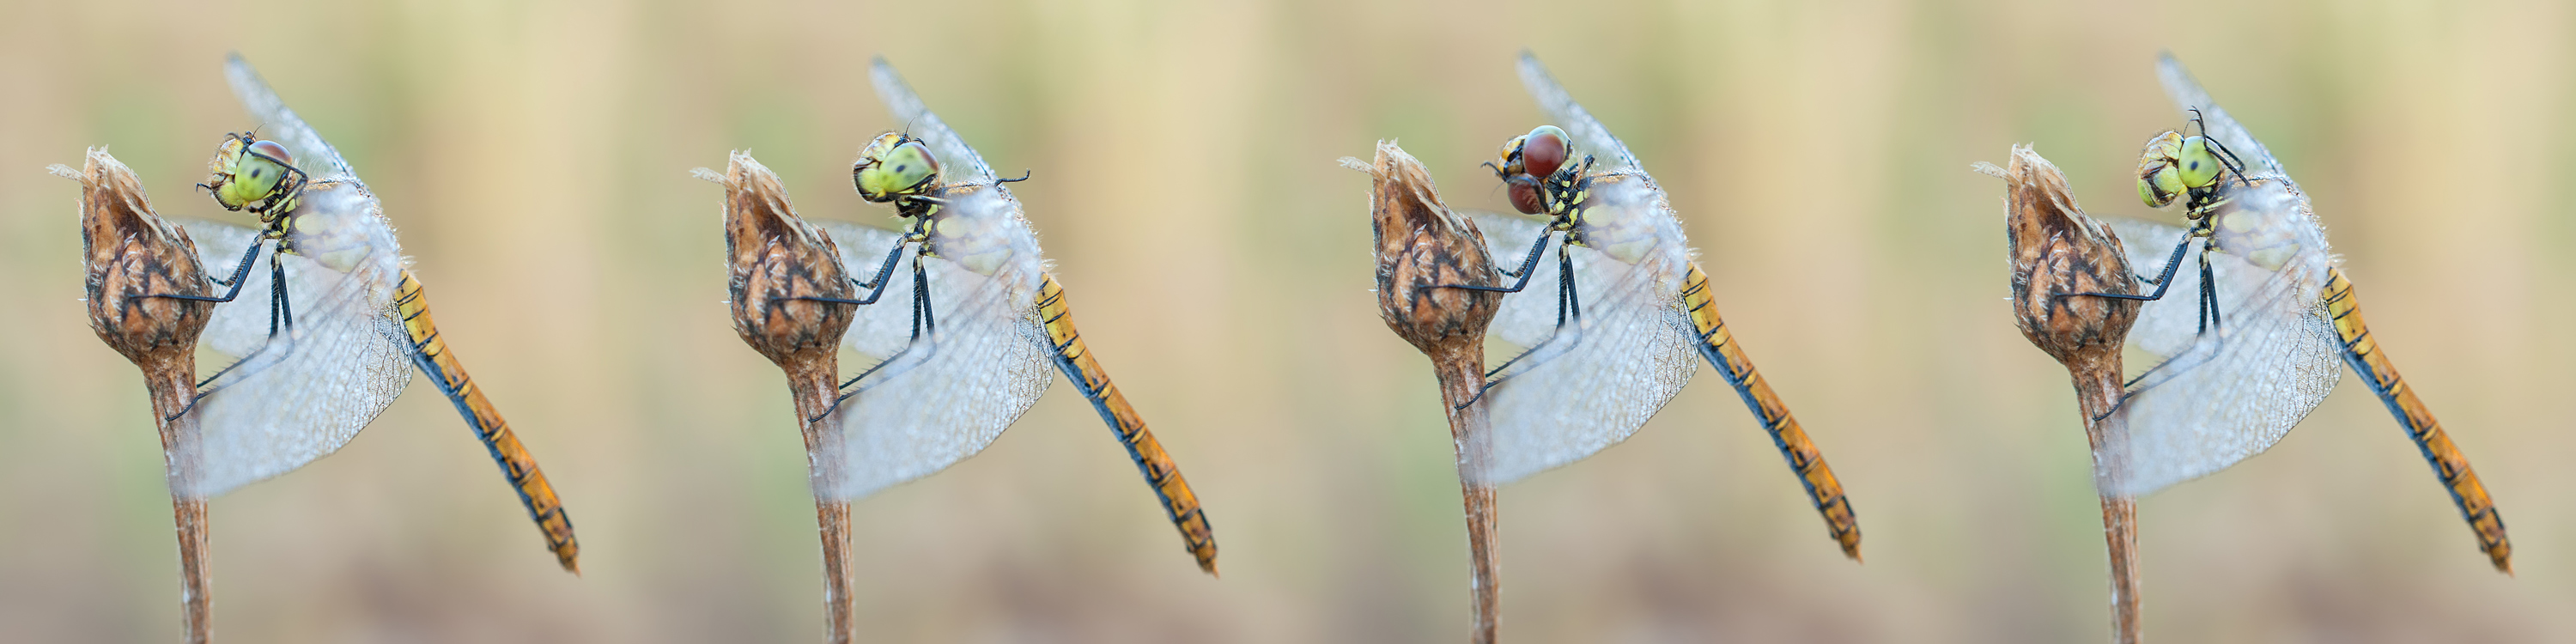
966, 343
1631, 317
2273, 323
344, 325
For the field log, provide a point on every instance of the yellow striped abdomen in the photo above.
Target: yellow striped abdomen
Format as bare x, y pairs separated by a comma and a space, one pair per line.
430, 353
1076, 362
1716, 344
2362, 352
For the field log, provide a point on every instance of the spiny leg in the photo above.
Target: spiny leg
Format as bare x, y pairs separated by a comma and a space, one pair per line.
875, 290
1536, 248
2162, 282
249, 255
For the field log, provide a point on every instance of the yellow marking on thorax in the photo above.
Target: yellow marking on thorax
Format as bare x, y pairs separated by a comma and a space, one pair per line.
430, 353
1719, 347
2362, 352
1075, 360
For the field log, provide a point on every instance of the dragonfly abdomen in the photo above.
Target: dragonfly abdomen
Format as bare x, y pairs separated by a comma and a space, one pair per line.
430, 353
1072, 357
1719, 347
2362, 352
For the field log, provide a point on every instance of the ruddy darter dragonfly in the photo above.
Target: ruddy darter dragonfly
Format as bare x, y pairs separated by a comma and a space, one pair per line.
2265, 338
343, 326
964, 344
1631, 313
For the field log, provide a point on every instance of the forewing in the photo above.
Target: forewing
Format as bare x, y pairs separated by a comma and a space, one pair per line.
943, 396
1586, 385
2188, 95
958, 160
2222, 396
1608, 154
299, 395
312, 154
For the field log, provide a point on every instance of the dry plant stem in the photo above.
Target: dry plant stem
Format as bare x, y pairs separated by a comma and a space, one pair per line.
2097, 393
1421, 245
173, 388
1460, 378
773, 257
814, 391
2056, 250
129, 253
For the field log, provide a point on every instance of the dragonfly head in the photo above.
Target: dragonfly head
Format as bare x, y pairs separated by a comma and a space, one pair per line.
894, 165
2174, 165
1525, 160
250, 173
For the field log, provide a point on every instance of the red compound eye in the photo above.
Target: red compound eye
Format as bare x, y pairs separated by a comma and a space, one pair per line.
1525, 198
272, 150
1544, 151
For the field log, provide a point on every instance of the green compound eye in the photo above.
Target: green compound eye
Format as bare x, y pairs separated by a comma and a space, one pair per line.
905, 167
2198, 165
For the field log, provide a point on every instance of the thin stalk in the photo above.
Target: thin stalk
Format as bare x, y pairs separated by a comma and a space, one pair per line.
1460, 378
173, 387
2097, 391
814, 390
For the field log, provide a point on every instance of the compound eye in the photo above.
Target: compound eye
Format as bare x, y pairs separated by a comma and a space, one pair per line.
2159, 185
2197, 164
902, 169
1525, 199
272, 150
1543, 151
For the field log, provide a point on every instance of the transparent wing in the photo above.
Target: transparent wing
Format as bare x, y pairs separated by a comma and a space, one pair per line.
1591, 383
1608, 154
299, 395
2187, 95
959, 161
312, 154
936, 399
881, 329
2221, 396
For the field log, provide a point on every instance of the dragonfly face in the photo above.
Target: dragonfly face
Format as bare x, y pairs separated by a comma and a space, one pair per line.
254, 174
2177, 166
895, 167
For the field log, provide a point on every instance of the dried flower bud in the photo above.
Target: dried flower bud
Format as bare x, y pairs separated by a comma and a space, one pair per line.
772, 255
129, 252
1422, 244
2056, 250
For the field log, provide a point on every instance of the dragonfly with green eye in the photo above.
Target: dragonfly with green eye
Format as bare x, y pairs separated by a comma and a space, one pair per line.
1631, 317
344, 325
981, 322
2273, 325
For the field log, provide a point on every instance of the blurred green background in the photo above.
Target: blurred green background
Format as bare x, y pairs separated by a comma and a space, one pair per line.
535, 157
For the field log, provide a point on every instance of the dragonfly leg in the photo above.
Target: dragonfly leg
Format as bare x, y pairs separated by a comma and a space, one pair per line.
241, 270
1571, 300
1569, 308
2208, 296
923, 321
1526, 264
875, 290
277, 285
2165, 281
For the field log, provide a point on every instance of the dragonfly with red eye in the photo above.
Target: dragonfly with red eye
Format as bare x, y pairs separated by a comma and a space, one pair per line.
986, 321
345, 324
1632, 316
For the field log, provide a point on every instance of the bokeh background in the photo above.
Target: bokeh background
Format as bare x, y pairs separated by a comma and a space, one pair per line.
535, 157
